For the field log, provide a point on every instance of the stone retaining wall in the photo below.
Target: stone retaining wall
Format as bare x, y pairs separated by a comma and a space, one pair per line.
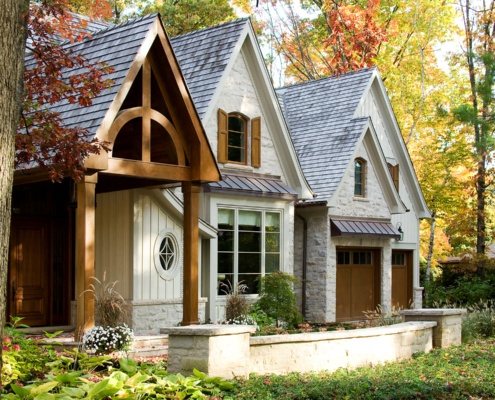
229, 350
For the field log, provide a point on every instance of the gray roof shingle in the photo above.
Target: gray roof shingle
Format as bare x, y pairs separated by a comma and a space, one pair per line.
320, 116
203, 57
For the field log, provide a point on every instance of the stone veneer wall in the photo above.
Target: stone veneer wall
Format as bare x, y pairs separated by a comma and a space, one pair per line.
151, 315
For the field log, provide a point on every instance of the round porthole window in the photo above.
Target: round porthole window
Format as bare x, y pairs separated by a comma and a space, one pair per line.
167, 254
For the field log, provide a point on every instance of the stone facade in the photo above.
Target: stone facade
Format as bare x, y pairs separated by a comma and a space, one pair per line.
150, 316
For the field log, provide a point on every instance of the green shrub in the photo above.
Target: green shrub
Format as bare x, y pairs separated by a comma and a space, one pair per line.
479, 322
277, 299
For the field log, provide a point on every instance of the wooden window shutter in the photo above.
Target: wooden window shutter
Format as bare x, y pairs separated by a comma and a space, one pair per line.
223, 135
256, 142
395, 175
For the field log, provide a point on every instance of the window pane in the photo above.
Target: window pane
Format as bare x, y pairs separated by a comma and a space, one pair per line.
236, 140
358, 178
250, 263
225, 219
250, 241
272, 242
236, 124
225, 263
250, 220
272, 221
224, 281
236, 154
226, 241
272, 263
343, 257
251, 281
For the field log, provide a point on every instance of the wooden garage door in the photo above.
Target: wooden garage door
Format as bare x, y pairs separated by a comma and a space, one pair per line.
401, 279
358, 282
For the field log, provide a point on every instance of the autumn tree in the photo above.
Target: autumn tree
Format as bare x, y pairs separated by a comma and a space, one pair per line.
13, 14
180, 17
478, 111
31, 133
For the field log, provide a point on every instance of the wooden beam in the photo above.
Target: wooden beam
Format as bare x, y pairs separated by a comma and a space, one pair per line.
148, 170
85, 254
190, 291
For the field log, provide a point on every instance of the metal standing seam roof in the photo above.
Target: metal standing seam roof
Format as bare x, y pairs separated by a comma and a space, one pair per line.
260, 186
340, 227
320, 116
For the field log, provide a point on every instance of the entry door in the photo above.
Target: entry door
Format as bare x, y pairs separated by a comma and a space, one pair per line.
28, 271
401, 279
357, 283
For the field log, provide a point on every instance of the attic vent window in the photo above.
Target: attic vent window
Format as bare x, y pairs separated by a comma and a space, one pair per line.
237, 140
167, 254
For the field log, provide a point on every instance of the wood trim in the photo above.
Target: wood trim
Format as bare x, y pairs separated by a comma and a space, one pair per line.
256, 142
85, 253
223, 135
148, 170
190, 286
146, 121
394, 171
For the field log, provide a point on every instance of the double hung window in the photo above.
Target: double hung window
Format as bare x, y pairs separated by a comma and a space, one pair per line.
249, 246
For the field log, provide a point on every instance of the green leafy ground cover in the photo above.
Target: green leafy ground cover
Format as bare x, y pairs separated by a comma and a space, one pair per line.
463, 372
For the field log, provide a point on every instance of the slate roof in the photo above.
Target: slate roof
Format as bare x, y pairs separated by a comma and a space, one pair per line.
320, 116
117, 46
203, 56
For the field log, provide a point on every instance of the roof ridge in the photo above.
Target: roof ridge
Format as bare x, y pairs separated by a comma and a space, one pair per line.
223, 24
125, 23
325, 78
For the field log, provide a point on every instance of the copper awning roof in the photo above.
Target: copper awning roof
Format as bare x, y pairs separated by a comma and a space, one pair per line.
255, 185
345, 227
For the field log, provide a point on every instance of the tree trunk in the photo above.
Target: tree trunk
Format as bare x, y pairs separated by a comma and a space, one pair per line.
431, 245
13, 15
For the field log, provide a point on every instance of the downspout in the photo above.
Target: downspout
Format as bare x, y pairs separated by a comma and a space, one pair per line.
304, 264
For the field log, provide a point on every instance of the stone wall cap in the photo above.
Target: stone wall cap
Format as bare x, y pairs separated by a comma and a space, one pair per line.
346, 334
434, 311
208, 330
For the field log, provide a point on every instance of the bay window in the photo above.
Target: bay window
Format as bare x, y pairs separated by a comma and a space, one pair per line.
249, 246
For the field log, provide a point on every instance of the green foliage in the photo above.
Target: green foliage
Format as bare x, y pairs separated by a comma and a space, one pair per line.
463, 372
277, 299
180, 17
22, 358
479, 322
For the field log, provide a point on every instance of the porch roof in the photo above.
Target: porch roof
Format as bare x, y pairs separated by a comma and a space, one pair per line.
346, 227
252, 185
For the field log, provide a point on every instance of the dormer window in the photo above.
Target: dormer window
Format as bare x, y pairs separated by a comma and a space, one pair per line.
239, 137
359, 177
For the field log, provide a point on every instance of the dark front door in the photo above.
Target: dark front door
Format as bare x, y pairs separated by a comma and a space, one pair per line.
29, 271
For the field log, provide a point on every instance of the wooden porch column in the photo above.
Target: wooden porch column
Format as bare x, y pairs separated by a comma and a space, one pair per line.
85, 253
190, 286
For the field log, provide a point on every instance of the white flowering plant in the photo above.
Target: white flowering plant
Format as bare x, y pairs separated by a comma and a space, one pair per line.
101, 340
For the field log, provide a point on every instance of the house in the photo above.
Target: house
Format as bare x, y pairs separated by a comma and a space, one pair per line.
358, 240
150, 214
207, 184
